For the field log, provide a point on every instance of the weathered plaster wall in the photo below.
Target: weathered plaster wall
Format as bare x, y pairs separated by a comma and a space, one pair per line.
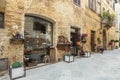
13, 15
111, 32
62, 13
92, 24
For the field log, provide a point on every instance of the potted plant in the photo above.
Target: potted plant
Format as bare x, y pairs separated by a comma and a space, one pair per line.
83, 38
87, 54
17, 70
108, 19
17, 38
112, 41
116, 41
69, 58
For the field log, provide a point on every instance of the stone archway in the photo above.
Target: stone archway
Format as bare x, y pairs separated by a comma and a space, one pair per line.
41, 16
104, 39
38, 33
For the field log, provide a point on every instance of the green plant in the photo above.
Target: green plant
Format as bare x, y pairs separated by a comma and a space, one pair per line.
16, 65
99, 40
68, 54
105, 14
108, 18
112, 40
116, 41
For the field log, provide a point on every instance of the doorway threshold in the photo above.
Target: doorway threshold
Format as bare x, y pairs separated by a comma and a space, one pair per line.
38, 65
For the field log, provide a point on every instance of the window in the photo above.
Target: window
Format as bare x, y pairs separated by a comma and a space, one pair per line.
1, 20
92, 4
98, 9
77, 2
38, 32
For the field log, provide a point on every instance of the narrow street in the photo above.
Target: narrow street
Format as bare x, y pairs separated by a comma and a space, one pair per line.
97, 67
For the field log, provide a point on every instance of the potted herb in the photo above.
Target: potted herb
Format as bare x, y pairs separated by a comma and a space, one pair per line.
17, 70
69, 58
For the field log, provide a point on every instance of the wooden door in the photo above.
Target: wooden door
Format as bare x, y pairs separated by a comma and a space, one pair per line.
93, 41
104, 39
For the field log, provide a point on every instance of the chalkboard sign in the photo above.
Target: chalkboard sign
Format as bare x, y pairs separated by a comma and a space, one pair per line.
3, 64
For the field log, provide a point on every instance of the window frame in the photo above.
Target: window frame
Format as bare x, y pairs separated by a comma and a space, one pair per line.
77, 2
92, 5
52, 24
2, 26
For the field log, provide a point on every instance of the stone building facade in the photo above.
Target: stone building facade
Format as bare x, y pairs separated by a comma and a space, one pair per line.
64, 15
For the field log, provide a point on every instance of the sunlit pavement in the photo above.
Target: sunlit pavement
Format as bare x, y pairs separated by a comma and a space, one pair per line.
97, 67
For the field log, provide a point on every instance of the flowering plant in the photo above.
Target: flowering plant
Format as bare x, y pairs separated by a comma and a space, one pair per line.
83, 37
18, 35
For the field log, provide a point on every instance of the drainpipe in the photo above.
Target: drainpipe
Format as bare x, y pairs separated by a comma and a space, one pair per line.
101, 28
101, 13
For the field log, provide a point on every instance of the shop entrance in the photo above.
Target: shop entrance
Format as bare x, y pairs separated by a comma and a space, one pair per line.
75, 36
38, 40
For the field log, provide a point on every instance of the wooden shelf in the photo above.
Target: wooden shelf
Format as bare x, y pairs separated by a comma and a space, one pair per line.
16, 41
63, 47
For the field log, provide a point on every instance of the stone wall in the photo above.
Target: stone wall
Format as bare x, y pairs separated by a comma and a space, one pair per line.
14, 16
62, 13
92, 24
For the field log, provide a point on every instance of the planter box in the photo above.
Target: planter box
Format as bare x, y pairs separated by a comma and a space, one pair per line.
69, 58
87, 54
17, 72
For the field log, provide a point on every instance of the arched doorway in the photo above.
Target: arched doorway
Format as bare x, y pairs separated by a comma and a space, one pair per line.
75, 37
104, 39
38, 34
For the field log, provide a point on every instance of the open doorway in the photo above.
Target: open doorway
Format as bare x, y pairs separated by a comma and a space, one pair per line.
75, 36
38, 39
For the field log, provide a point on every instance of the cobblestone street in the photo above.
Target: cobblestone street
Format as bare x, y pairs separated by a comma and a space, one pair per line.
97, 67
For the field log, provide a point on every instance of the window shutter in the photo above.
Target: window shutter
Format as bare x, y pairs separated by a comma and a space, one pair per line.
1, 20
